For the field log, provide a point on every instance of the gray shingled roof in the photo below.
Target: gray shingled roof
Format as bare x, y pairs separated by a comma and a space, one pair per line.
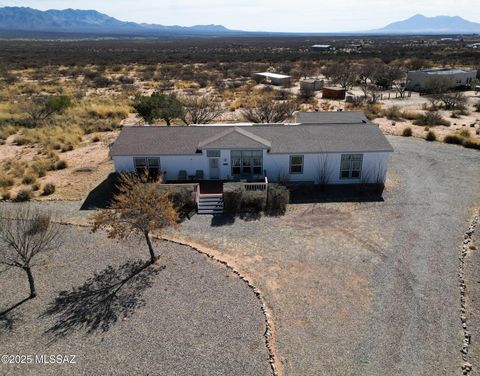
162, 140
339, 117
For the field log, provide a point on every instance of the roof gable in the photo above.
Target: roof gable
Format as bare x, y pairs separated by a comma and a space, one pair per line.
234, 138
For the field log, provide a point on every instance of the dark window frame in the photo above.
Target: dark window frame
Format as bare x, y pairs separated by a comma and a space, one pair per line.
293, 166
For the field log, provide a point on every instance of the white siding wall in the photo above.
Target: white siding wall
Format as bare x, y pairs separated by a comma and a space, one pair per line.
276, 165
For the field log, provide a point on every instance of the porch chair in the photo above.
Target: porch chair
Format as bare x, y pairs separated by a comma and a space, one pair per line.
182, 175
199, 175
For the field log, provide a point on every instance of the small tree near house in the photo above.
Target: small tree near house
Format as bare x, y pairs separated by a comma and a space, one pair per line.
25, 233
159, 106
139, 208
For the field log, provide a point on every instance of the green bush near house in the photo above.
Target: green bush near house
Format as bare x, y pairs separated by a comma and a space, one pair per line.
182, 197
232, 197
238, 200
277, 200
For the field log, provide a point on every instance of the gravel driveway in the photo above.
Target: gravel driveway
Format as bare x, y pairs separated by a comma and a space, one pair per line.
186, 316
364, 288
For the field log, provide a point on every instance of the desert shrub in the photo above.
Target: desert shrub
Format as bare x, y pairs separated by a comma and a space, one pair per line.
471, 144
407, 132
477, 106
60, 165
392, 113
464, 133
232, 196
5, 195
453, 139
52, 137
410, 115
252, 201
29, 178
182, 197
96, 137
277, 200
48, 189
6, 131
431, 118
6, 180
431, 136
35, 187
23, 195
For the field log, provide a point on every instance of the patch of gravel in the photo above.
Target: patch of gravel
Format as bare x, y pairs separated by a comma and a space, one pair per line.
188, 315
364, 288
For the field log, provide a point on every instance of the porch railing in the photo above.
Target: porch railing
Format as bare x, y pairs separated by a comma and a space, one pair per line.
258, 186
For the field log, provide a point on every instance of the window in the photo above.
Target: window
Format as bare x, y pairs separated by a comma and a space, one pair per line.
213, 153
296, 164
150, 165
351, 166
247, 162
140, 165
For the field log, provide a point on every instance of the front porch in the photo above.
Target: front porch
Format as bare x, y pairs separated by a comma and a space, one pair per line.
209, 193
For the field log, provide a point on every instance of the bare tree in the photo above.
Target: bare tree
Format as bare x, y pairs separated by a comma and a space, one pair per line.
139, 208
201, 109
266, 110
25, 233
436, 87
369, 72
344, 74
324, 170
42, 108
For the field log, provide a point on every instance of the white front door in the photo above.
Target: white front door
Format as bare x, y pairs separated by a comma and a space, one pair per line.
214, 168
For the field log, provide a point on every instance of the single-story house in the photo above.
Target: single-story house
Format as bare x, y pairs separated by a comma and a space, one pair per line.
351, 152
273, 78
455, 78
323, 47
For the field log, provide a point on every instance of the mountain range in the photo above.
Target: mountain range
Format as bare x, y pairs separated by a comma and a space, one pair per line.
30, 20
420, 24
15, 21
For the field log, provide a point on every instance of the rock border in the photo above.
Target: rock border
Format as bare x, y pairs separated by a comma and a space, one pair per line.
270, 327
467, 239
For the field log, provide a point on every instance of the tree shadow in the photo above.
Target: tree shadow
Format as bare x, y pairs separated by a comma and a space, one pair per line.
7, 321
112, 294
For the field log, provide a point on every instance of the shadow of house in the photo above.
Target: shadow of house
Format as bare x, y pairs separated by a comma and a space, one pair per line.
112, 294
102, 195
310, 194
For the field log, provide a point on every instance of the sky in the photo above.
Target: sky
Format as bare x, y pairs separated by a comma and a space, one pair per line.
267, 15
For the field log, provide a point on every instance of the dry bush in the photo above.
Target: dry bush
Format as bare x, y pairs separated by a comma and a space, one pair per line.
464, 133
431, 118
60, 165
407, 132
431, 136
6, 180
23, 195
48, 189
29, 178
392, 113
411, 115
5, 195
6, 131
54, 137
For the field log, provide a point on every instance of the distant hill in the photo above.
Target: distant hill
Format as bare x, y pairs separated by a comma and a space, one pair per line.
75, 21
419, 24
